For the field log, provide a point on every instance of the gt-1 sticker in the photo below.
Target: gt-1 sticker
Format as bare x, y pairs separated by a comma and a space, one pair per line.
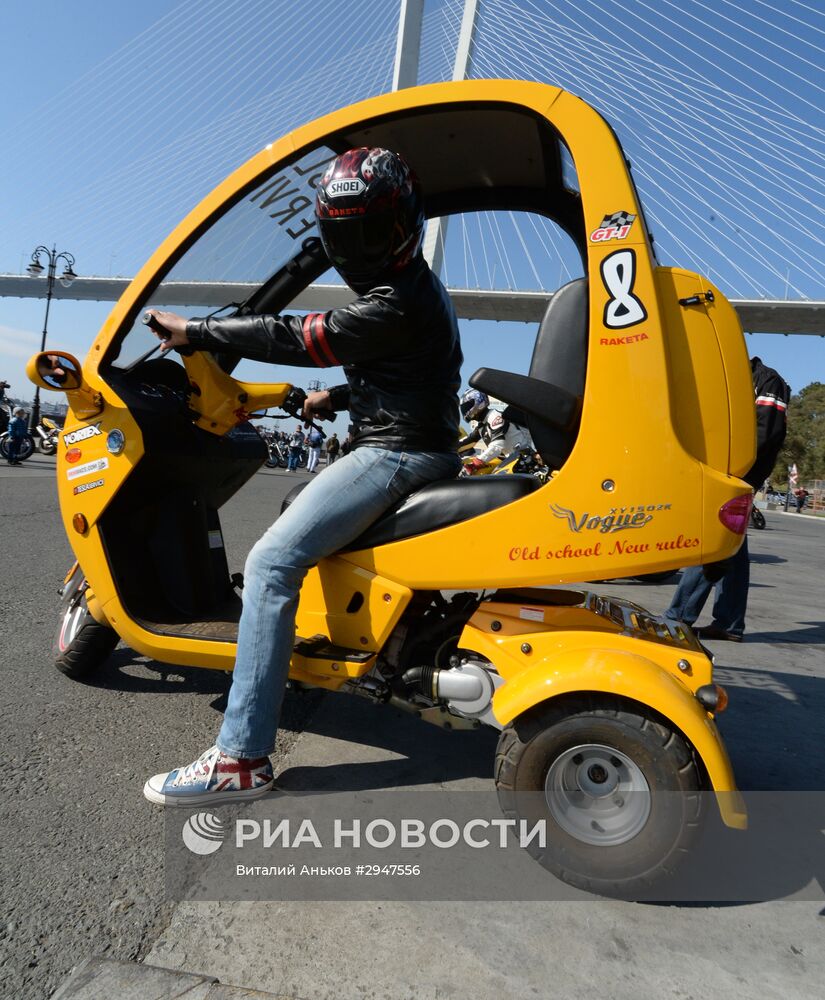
88, 468
85, 487
623, 308
613, 227
81, 434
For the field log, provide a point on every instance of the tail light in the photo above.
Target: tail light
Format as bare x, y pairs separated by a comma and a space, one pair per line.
735, 513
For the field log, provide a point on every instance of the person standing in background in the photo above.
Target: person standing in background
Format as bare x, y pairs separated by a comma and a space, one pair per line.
314, 439
17, 431
296, 444
731, 577
333, 447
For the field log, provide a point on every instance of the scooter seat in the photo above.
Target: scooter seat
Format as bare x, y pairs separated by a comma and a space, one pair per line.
438, 505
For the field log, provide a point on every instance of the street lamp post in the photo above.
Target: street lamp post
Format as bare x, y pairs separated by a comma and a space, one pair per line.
34, 270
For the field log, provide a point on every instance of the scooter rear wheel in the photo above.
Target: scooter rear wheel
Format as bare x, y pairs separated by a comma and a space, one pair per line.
618, 788
81, 644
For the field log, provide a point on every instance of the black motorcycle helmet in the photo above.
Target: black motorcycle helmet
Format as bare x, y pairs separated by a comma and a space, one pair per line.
370, 214
474, 404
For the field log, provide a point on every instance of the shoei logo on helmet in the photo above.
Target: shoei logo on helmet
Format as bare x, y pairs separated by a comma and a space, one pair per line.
345, 186
203, 833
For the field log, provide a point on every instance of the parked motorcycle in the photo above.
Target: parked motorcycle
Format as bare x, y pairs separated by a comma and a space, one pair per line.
47, 435
276, 451
6, 413
26, 445
757, 519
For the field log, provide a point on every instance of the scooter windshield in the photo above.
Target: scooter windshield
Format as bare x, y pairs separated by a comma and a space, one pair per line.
254, 237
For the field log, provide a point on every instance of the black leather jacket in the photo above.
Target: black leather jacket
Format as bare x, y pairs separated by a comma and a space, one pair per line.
772, 397
398, 344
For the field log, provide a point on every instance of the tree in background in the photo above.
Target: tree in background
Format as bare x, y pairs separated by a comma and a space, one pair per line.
805, 443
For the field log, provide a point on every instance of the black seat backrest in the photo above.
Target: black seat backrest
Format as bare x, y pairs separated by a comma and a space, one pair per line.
560, 358
548, 401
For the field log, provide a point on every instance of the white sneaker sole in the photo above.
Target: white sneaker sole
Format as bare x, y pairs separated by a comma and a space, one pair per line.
204, 798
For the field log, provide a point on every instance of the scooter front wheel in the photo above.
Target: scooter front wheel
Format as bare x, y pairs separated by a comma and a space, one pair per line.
618, 788
81, 644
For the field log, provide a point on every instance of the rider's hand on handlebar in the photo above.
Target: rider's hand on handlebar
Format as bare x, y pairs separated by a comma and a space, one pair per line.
169, 328
474, 464
318, 406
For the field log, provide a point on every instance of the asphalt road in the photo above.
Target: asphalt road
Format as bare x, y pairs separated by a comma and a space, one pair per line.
82, 852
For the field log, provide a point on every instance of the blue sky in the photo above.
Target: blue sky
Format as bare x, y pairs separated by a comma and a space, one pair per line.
123, 115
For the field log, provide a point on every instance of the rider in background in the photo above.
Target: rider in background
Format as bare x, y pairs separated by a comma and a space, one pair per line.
499, 436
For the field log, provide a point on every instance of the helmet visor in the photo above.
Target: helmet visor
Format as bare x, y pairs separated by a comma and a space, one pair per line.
360, 243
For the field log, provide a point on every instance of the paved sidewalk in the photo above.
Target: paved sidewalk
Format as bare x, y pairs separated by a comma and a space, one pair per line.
105, 979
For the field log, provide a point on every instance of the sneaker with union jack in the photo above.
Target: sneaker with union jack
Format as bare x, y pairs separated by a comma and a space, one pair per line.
214, 777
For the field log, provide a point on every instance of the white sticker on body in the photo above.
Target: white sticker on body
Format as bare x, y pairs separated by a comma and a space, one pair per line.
532, 614
88, 468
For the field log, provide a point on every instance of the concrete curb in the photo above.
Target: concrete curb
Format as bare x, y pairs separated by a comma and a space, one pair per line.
103, 978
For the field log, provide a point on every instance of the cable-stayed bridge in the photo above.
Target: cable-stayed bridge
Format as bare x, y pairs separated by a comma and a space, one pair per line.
719, 107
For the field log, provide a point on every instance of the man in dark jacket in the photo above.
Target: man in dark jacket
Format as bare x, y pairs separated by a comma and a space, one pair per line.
399, 346
732, 577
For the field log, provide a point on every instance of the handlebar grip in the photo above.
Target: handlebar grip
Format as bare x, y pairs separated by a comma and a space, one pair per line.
149, 320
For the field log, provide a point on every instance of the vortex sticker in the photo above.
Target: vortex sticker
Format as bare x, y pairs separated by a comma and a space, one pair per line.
203, 833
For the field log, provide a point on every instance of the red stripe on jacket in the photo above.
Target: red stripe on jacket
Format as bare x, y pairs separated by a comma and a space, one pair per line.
321, 341
309, 343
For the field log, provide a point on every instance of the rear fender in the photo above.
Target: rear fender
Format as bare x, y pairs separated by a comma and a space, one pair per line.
619, 674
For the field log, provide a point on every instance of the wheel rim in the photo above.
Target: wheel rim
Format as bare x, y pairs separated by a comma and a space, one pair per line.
598, 795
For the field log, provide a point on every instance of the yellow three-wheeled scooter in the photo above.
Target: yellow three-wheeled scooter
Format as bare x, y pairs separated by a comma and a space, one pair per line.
638, 398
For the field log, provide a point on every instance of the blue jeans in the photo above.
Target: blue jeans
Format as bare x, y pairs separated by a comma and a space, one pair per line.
731, 601
293, 459
333, 510
15, 443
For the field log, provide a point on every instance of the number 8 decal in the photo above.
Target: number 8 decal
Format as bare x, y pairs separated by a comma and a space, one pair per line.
623, 308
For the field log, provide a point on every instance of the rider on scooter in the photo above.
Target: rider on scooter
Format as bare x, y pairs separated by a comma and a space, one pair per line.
500, 436
399, 346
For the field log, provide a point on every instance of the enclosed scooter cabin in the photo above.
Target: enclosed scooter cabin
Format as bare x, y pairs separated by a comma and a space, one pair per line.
638, 393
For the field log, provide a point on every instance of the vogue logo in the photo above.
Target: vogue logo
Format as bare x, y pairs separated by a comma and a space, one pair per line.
618, 519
